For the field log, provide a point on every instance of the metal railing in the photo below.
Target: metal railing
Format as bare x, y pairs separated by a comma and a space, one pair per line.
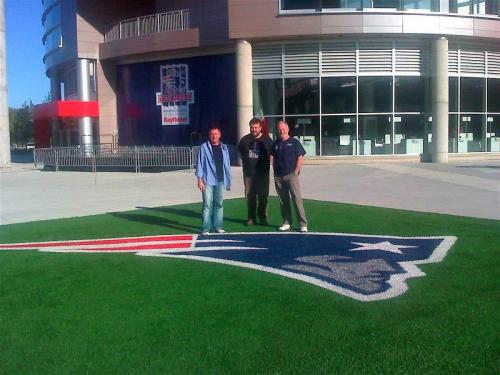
155, 23
107, 157
120, 157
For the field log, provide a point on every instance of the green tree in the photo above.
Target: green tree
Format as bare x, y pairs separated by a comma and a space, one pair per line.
21, 124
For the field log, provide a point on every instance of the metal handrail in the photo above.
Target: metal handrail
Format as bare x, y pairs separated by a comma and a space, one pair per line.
116, 157
153, 23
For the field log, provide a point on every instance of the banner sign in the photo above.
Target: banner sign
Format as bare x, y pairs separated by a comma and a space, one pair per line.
175, 96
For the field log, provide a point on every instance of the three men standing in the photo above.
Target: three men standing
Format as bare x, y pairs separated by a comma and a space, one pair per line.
255, 150
213, 172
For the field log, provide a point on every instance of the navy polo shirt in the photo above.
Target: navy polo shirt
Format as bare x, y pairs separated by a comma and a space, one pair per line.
285, 154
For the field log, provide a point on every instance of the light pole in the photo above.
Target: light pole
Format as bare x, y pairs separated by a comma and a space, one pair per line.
4, 109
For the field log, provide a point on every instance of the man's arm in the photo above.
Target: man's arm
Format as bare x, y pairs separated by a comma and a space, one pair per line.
298, 165
201, 185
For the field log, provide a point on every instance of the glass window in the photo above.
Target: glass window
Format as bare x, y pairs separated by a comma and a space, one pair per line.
375, 135
493, 133
409, 93
53, 40
479, 7
301, 96
408, 134
338, 95
300, 4
452, 133
338, 135
351, 4
493, 7
394, 4
375, 94
306, 130
493, 95
52, 18
472, 94
471, 135
460, 6
421, 4
453, 94
268, 97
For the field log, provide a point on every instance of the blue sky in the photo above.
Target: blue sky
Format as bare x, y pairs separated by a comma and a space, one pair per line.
25, 69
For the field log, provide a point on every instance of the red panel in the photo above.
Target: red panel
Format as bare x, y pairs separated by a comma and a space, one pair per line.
68, 108
42, 133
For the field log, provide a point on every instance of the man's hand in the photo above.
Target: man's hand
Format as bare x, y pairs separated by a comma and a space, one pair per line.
201, 185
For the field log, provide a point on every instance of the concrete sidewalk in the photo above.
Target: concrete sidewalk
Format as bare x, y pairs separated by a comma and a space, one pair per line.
467, 188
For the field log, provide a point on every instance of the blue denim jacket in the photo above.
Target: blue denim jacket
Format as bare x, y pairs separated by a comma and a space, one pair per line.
205, 165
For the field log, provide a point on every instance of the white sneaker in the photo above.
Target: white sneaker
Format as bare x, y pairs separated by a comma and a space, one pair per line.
205, 233
303, 229
284, 227
220, 230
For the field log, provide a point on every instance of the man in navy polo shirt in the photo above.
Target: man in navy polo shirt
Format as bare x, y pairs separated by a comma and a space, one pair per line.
288, 155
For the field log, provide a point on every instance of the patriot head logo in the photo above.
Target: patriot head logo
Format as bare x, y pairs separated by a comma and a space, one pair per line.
175, 95
363, 267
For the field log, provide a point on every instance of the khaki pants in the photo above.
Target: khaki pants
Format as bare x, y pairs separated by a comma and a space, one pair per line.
257, 191
286, 187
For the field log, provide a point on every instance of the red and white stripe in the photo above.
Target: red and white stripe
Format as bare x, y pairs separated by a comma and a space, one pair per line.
124, 244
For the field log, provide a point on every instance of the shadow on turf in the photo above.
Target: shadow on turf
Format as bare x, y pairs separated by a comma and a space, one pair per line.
188, 213
155, 220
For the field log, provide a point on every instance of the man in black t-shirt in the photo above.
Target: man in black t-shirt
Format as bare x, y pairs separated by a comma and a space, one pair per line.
255, 150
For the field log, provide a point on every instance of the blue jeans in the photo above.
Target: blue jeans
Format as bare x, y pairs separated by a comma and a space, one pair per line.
213, 212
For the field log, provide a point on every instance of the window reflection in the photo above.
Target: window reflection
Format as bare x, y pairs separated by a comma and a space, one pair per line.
493, 133
471, 135
301, 96
300, 4
409, 92
268, 97
493, 95
472, 94
338, 94
408, 134
375, 94
452, 133
453, 94
306, 130
375, 135
338, 135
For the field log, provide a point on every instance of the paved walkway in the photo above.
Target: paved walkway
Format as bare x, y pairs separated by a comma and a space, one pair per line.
467, 188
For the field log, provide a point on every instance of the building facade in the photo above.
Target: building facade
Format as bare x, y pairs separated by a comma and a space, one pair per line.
351, 77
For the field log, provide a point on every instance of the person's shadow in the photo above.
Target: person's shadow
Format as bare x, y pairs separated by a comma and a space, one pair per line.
169, 221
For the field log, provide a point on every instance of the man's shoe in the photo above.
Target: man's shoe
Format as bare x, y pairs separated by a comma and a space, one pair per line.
205, 233
303, 229
249, 222
220, 230
264, 222
284, 227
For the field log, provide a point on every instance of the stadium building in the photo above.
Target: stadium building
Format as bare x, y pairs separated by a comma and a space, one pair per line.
351, 77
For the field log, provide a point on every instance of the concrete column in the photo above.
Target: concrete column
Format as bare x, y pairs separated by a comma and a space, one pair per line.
440, 100
244, 98
83, 81
4, 108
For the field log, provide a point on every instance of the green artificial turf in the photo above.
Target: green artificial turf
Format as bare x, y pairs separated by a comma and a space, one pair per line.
125, 314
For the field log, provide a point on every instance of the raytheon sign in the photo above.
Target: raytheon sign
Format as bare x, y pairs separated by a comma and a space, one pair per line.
175, 96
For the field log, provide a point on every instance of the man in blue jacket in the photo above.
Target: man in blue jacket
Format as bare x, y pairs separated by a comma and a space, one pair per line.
213, 173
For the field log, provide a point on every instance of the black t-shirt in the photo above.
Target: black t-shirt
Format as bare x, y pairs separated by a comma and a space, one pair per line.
219, 162
286, 154
255, 154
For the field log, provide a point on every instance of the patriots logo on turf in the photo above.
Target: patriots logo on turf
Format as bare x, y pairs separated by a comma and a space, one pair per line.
363, 267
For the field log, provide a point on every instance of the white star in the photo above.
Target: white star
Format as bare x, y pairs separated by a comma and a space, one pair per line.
384, 246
